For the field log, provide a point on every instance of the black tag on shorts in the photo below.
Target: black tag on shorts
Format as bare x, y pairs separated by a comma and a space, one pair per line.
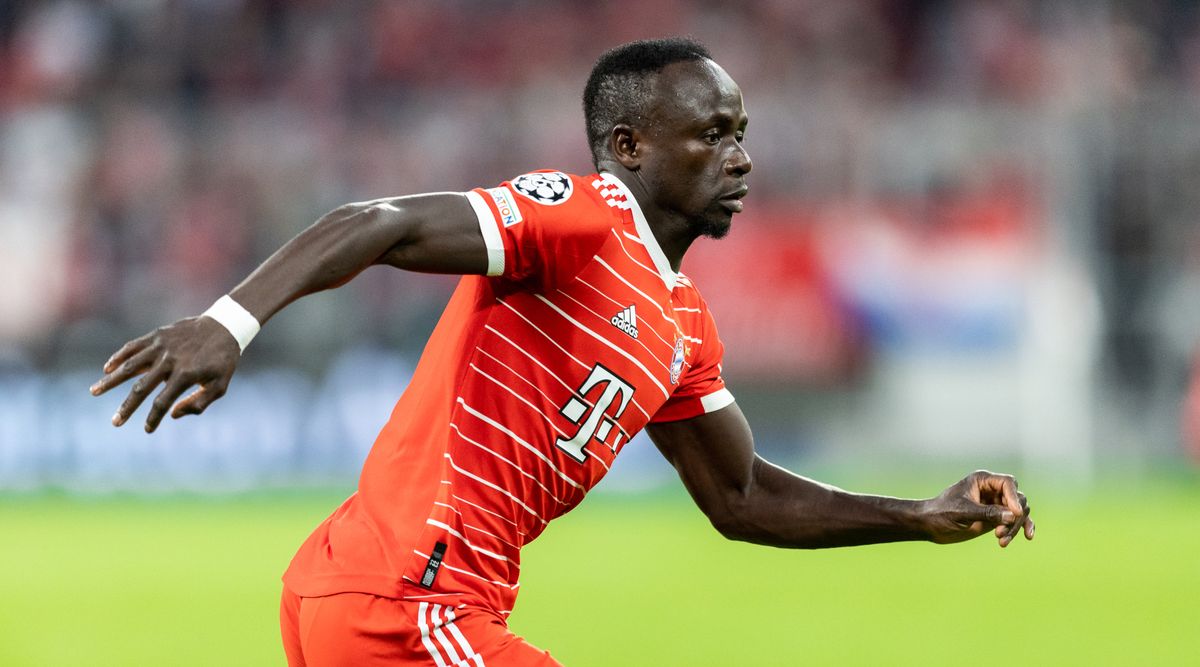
434, 564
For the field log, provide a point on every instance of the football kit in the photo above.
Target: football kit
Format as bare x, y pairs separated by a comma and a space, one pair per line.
535, 377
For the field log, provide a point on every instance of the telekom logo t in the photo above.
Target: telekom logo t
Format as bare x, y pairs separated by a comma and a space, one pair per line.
594, 423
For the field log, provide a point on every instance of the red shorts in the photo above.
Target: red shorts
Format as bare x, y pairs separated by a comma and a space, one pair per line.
361, 629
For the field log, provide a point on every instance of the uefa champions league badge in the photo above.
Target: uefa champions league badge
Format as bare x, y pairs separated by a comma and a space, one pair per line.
677, 360
545, 187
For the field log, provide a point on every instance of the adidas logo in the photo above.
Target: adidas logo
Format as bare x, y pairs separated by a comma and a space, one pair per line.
626, 320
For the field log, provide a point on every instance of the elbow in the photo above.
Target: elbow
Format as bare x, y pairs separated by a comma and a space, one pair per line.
730, 528
732, 517
341, 214
741, 511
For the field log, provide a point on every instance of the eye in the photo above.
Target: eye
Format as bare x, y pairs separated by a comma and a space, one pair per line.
740, 136
712, 137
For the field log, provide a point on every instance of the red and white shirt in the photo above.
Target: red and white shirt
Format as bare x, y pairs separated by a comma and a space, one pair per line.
534, 379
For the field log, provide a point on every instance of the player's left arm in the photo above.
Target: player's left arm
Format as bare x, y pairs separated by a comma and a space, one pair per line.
748, 498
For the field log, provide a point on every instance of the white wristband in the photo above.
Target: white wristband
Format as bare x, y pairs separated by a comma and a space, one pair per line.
231, 315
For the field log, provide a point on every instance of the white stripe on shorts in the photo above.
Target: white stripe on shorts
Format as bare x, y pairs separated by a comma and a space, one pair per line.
424, 626
462, 640
435, 617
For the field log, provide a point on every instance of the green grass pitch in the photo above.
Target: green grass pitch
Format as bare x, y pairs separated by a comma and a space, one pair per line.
1113, 578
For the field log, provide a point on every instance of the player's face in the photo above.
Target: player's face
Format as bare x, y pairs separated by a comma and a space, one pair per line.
694, 163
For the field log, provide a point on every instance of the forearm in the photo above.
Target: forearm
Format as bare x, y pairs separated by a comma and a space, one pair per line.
780, 508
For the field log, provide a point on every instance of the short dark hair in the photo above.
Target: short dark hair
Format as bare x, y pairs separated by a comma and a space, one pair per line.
617, 90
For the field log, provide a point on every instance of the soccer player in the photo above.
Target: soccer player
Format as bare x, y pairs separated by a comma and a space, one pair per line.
571, 330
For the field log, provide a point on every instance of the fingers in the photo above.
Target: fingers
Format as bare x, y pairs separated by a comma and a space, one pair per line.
1007, 533
1012, 498
996, 514
127, 350
129, 366
199, 400
141, 389
165, 399
1001, 490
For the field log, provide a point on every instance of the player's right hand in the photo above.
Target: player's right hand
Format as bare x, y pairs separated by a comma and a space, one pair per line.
196, 351
980, 502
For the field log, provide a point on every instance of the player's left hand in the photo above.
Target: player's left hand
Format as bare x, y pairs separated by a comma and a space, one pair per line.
980, 502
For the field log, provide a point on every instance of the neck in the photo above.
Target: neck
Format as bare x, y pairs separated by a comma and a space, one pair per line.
672, 231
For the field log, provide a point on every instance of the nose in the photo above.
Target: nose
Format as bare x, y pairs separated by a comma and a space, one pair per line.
739, 162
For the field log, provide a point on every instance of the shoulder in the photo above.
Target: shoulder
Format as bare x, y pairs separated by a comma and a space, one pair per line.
576, 202
546, 187
691, 309
554, 188
687, 293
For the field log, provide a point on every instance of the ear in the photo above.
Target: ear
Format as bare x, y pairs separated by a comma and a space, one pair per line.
625, 144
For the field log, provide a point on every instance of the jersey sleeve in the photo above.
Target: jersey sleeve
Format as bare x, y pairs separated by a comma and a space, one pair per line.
542, 225
701, 388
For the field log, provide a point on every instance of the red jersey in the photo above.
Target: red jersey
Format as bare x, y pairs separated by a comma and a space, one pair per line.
534, 379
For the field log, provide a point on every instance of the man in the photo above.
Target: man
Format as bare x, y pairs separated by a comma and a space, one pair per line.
570, 331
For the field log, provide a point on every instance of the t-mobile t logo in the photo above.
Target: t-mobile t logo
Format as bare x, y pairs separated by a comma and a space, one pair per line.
594, 423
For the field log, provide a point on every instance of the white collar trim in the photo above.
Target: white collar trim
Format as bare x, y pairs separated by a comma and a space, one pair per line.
669, 277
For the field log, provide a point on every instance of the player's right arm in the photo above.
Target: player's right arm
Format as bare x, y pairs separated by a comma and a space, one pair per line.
437, 233
747, 498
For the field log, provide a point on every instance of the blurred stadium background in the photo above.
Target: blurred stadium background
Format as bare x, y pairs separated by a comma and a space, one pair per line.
971, 241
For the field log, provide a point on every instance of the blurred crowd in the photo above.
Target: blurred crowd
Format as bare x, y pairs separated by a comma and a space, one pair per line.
152, 152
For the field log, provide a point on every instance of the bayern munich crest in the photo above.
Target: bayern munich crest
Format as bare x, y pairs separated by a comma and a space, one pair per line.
677, 361
548, 187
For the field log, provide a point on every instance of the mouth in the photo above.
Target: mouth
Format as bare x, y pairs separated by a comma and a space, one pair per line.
733, 200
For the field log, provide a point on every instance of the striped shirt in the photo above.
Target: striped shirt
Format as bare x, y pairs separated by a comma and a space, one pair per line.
534, 379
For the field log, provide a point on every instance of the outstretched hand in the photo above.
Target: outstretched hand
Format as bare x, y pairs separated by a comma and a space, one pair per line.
196, 351
980, 502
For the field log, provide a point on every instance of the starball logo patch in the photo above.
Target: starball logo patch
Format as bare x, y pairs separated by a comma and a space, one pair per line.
550, 187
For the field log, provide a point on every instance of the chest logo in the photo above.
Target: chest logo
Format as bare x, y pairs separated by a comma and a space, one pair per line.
550, 188
594, 420
677, 361
626, 320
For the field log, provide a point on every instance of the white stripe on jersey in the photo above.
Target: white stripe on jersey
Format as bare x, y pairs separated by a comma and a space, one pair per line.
502, 458
491, 235
477, 529
511, 587
481, 508
519, 397
549, 400
621, 243
670, 346
551, 373
547, 336
525, 379
633, 287
532, 358
536, 452
535, 409
600, 338
473, 547
490, 485
686, 310
666, 274
425, 597
635, 340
